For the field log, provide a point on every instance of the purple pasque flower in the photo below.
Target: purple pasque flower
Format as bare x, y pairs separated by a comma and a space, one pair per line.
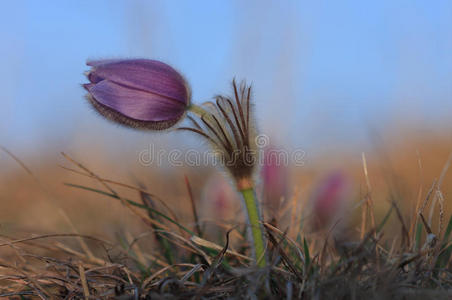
139, 93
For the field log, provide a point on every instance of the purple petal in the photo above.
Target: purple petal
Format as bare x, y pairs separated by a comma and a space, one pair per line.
143, 74
135, 104
87, 86
93, 77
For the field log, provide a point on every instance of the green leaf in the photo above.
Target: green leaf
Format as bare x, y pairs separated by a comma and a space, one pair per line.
306, 253
444, 257
448, 231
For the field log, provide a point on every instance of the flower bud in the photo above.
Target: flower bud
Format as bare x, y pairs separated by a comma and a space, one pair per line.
218, 199
330, 199
275, 176
218, 205
138, 93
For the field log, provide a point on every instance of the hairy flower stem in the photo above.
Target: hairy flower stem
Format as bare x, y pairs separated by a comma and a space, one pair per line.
201, 112
197, 110
234, 145
249, 197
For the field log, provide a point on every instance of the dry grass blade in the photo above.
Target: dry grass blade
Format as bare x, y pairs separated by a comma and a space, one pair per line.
219, 258
22, 164
156, 274
190, 244
209, 274
191, 272
285, 257
44, 236
42, 292
418, 201
441, 200
268, 226
369, 208
427, 198
193, 206
444, 170
204, 243
146, 255
89, 172
83, 256
224, 225
405, 234
145, 219
82, 243
216, 263
427, 227
81, 271
294, 211
133, 245
128, 186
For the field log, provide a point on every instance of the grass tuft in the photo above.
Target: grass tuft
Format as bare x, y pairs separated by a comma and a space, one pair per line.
185, 264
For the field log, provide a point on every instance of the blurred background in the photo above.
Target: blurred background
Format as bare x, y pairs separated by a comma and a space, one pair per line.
332, 78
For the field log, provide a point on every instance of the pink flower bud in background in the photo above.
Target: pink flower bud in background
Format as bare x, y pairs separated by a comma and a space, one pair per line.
329, 200
219, 200
138, 93
274, 176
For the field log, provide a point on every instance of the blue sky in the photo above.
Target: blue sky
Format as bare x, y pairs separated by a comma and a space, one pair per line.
324, 72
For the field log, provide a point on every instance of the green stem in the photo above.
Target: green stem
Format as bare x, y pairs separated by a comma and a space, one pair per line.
256, 230
201, 113
197, 110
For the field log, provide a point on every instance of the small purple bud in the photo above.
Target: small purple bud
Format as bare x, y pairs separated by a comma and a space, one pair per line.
218, 205
218, 199
275, 176
329, 200
139, 93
